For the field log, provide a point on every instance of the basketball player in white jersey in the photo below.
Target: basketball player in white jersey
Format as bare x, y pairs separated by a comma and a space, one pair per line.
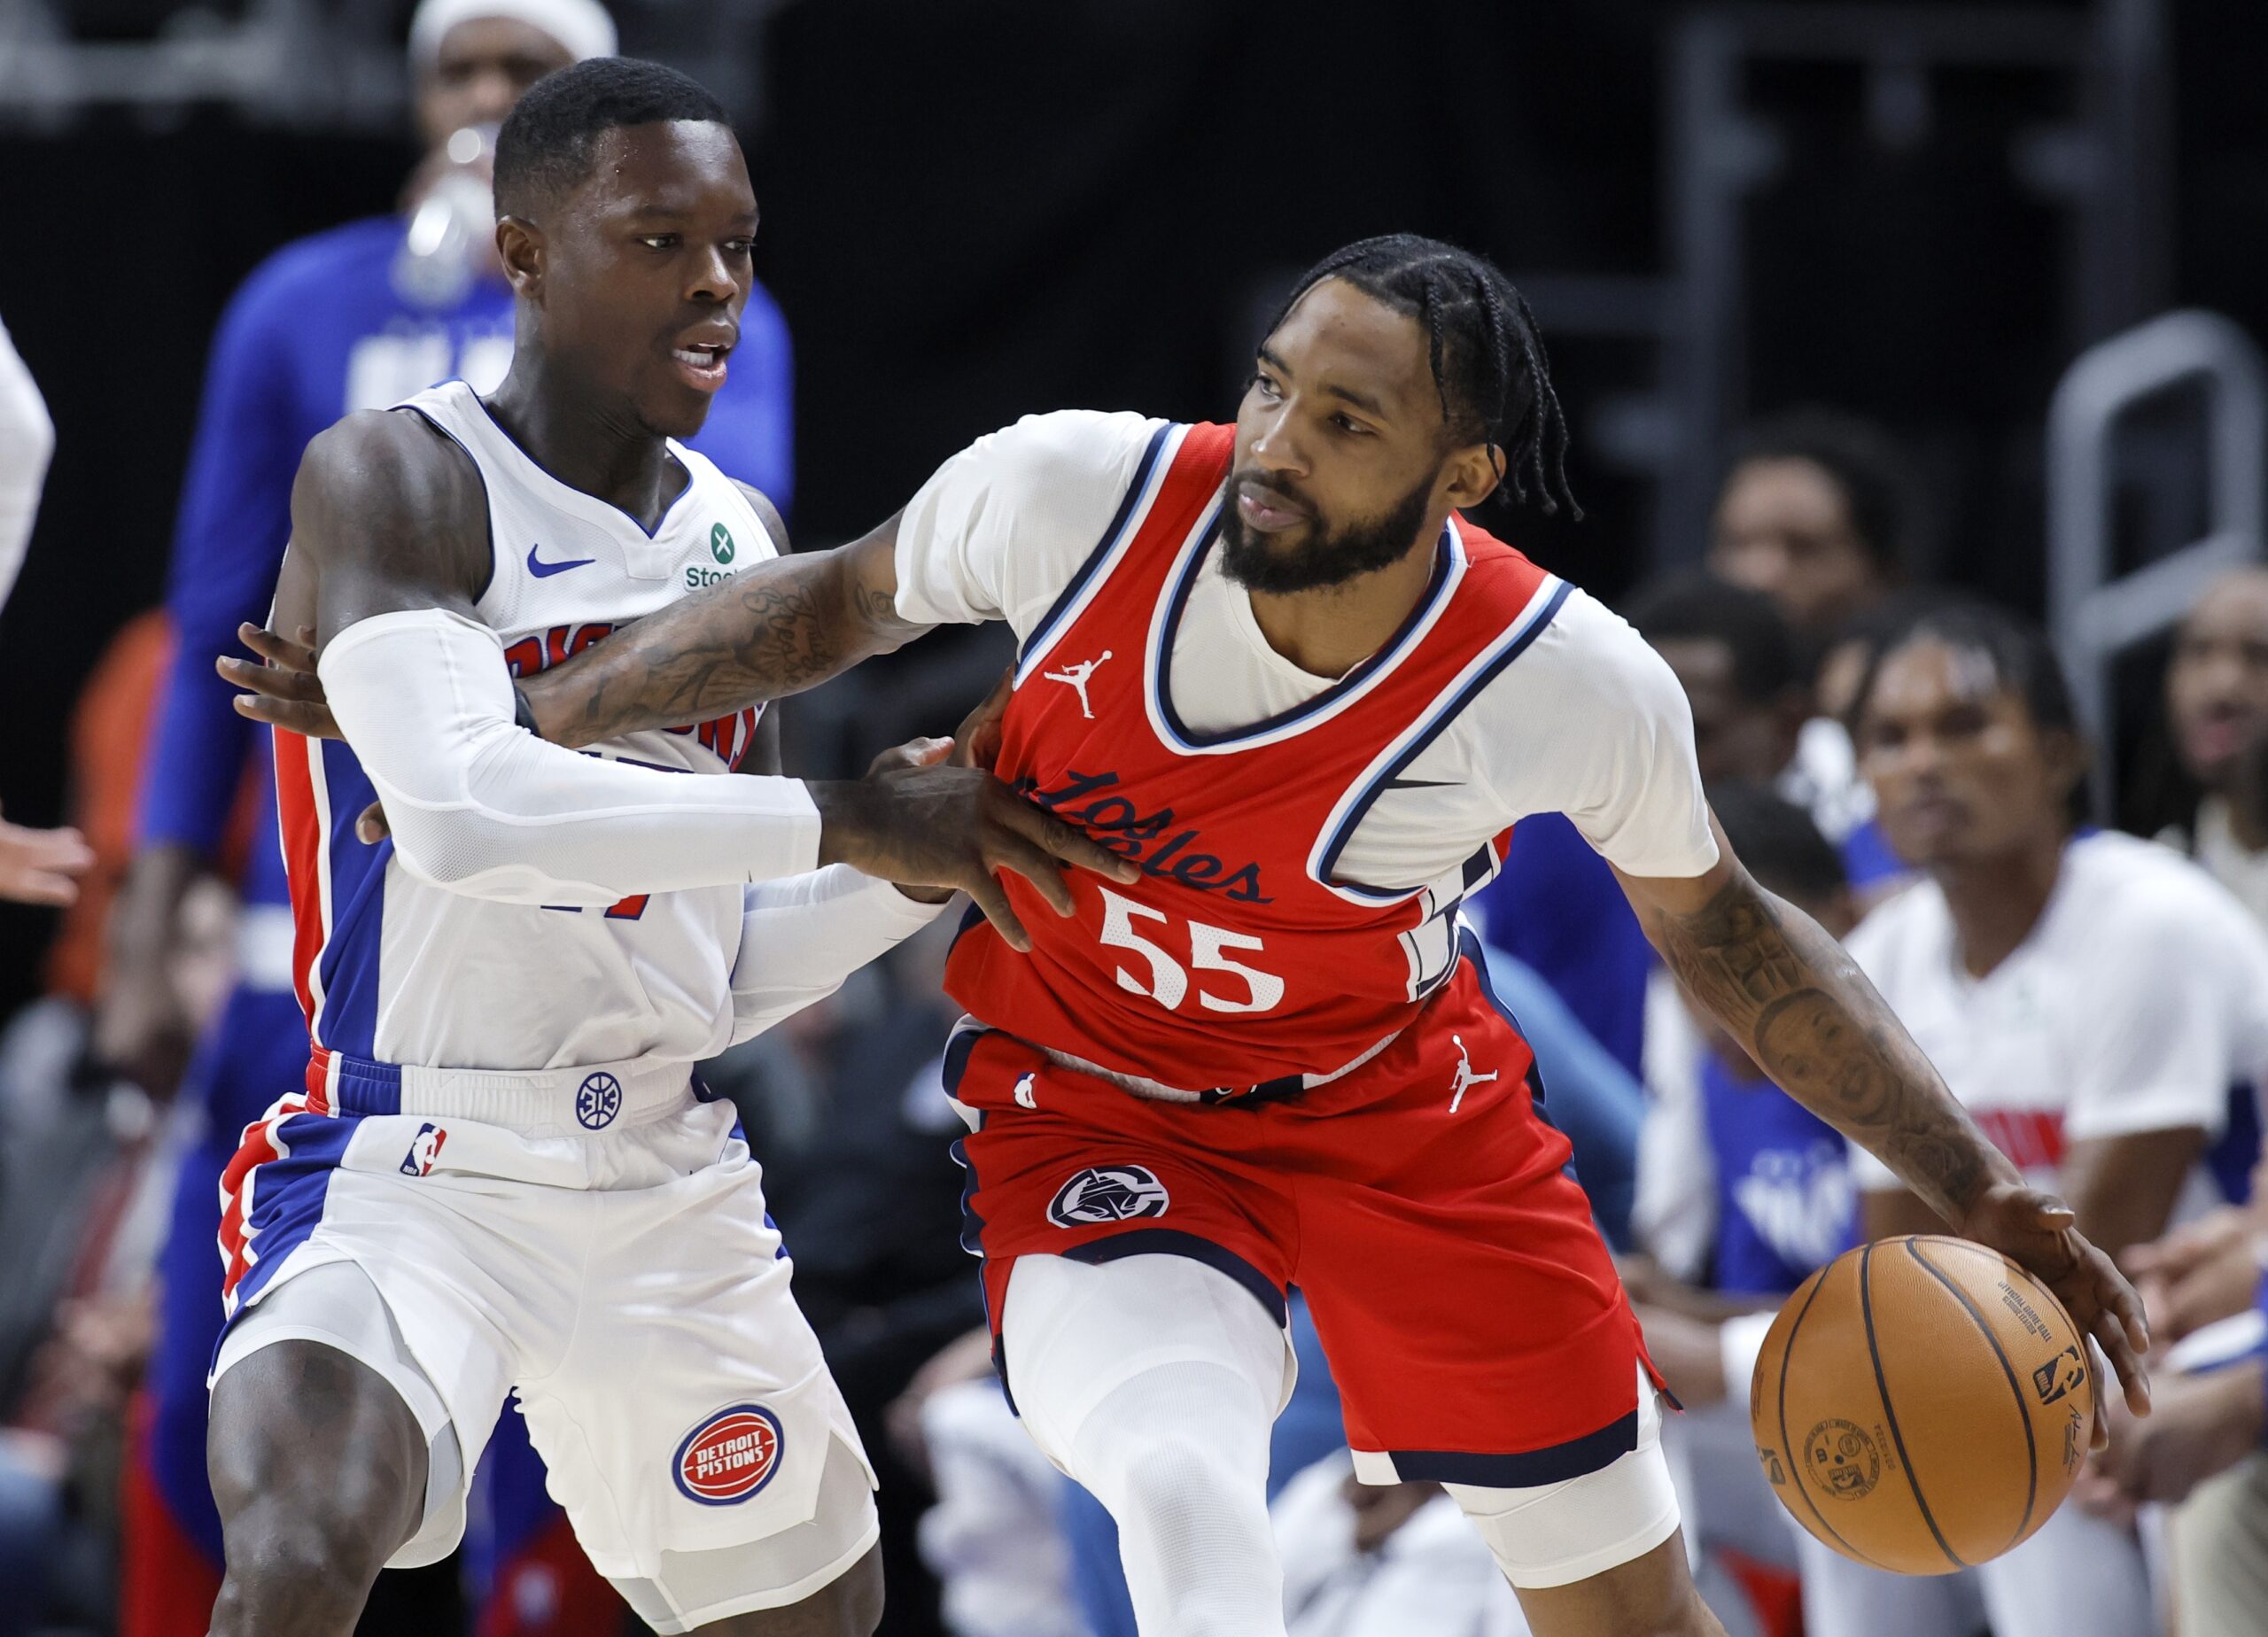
502, 1177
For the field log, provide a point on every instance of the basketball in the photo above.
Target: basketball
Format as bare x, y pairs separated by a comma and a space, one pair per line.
1922, 1404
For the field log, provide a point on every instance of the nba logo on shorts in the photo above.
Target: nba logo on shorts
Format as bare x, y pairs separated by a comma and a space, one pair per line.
598, 1100
730, 1456
425, 1148
1108, 1193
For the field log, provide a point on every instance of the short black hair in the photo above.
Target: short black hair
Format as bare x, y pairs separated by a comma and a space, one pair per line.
1872, 627
1781, 844
1865, 463
1695, 605
546, 146
1486, 353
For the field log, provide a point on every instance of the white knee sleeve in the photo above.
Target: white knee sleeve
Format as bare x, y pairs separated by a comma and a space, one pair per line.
1154, 1381
1555, 1534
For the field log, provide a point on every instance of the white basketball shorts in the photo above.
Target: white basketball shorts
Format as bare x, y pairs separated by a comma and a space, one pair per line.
627, 1283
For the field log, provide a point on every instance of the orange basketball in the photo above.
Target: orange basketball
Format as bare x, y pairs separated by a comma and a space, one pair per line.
1922, 1404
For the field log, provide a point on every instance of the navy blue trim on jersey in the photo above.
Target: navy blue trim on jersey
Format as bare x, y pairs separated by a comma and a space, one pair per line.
661, 523
1554, 1463
1177, 602
972, 1237
1174, 1242
1046, 630
1328, 865
1469, 948
348, 1020
289, 1204
488, 509
957, 1046
361, 1086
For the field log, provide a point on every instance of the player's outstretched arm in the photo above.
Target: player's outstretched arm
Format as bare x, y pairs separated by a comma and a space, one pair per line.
776, 628
1796, 1000
389, 549
388, 556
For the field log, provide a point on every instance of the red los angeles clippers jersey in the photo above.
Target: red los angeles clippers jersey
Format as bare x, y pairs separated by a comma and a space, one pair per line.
1242, 956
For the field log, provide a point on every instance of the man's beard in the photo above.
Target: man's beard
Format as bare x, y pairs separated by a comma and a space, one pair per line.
1324, 559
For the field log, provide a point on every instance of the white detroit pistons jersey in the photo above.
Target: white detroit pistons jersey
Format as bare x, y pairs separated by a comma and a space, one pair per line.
400, 971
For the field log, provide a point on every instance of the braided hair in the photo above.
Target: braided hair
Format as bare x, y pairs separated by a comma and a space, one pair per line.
1487, 354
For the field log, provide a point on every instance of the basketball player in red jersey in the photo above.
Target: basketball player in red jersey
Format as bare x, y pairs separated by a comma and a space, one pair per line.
1273, 665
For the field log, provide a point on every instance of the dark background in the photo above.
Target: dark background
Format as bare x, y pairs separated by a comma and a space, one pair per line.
977, 210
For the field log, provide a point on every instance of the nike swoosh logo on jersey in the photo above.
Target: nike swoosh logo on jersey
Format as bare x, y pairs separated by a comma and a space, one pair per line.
545, 570
1420, 784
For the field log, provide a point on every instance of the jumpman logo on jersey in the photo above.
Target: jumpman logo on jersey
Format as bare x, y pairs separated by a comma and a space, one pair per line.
1076, 676
1466, 1078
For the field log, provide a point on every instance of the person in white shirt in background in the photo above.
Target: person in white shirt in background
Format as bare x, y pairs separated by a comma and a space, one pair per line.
2089, 997
2204, 1280
2216, 706
36, 866
1366, 1560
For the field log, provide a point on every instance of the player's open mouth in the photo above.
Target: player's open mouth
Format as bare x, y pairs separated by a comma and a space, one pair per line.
702, 367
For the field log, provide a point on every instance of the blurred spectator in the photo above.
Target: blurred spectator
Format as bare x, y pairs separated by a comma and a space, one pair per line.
846, 1104
354, 318
36, 866
992, 1538
111, 723
1371, 1559
1743, 1192
2088, 996
2217, 704
27, 444
1817, 512
2201, 1450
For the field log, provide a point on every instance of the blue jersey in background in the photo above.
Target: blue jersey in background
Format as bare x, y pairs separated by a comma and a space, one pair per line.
1785, 1205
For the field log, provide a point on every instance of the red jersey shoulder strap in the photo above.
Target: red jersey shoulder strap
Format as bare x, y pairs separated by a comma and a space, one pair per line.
1179, 476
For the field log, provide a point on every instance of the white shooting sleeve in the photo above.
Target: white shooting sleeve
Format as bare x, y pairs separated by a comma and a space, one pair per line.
479, 806
801, 937
26, 443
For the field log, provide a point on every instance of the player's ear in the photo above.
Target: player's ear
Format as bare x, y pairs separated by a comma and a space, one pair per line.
1470, 475
520, 247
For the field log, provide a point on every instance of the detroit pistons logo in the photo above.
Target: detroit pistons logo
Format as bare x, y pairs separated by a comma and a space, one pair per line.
730, 1456
1108, 1193
597, 1101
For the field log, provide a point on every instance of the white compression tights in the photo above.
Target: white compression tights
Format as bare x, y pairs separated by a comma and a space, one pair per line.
1153, 1380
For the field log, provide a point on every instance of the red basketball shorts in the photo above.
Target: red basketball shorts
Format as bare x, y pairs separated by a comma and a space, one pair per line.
1423, 1204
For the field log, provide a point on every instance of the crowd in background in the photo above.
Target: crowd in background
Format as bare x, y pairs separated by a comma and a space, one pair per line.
1902, 762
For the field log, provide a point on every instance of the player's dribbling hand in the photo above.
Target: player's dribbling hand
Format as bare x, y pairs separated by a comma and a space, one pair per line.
2037, 1229
957, 827
284, 691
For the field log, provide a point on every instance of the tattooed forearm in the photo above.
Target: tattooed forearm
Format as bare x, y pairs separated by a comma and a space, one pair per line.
776, 629
1788, 993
